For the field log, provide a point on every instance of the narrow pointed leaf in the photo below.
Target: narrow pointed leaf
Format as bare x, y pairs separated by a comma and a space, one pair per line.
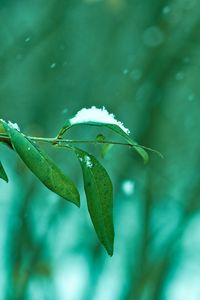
103, 118
42, 166
3, 174
105, 148
99, 194
135, 145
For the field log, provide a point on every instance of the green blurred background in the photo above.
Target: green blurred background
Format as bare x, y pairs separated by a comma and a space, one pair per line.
140, 59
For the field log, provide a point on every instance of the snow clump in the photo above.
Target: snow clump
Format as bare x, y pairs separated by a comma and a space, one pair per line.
87, 161
97, 115
13, 125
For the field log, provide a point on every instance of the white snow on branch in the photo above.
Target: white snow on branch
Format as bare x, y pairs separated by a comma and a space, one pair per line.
13, 125
97, 115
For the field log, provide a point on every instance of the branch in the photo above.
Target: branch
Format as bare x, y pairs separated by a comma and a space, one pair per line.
63, 142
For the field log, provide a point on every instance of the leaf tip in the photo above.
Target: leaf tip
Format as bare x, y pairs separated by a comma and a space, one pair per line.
75, 200
146, 160
3, 174
110, 252
109, 246
78, 203
5, 179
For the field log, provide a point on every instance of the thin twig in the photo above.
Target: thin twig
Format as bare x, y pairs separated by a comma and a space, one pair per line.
62, 142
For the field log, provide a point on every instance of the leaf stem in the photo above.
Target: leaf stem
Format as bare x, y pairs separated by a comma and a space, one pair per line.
63, 142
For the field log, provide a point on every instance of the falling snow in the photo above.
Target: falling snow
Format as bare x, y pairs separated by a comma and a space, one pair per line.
53, 65
153, 37
125, 71
191, 97
97, 115
166, 10
179, 76
128, 187
27, 39
136, 74
65, 110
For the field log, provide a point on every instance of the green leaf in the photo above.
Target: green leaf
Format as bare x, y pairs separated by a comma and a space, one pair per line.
114, 127
3, 174
105, 148
135, 145
2, 130
99, 194
42, 166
